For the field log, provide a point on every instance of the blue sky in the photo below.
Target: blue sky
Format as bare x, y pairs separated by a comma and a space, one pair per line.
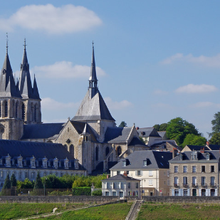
156, 60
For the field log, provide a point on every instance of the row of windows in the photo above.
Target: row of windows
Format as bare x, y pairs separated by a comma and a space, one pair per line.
194, 181
120, 185
201, 192
194, 169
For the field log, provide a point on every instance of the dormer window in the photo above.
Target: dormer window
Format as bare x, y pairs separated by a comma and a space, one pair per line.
207, 156
25, 163
55, 163
44, 162
19, 159
194, 155
59, 163
37, 163
8, 161
181, 156
145, 163
13, 162
48, 163
33, 164
76, 164
124, 163
66, 163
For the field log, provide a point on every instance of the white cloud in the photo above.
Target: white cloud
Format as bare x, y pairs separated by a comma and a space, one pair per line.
51, 104
205, 105
117, 105
191, 88
213, 61
50, 19
64, 70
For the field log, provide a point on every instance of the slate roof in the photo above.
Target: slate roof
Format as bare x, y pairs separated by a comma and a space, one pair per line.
120, 177
155, 160
93, 109
197, 148
117, 134
148, 132
41, 131
186, 156
162, 133
37, 149
136, 141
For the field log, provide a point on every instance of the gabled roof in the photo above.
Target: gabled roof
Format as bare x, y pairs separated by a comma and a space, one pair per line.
197, 148
117, 134
148, 132
41, 131
155, 160
120, 177
7, 83
136, 141
93, 109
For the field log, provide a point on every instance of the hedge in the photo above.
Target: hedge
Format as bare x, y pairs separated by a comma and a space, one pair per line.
78, 191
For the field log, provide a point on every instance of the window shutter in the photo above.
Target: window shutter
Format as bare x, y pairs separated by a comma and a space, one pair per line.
172, 192
207, 192
200, 192
136, 173
181, 192
188, 192
216, 192
141, 173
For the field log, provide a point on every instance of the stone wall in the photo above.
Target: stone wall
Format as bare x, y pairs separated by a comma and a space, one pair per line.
58, 199
182, 199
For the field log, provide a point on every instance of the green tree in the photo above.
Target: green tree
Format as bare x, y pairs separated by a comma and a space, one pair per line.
216, 123
38, 182
215, 139
7, 183
163, 127
192, 139
178, 128
13, 180
123, 124
157, 127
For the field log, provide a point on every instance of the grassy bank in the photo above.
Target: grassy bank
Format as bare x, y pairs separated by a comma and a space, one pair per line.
117, 211
179, 211
22, 210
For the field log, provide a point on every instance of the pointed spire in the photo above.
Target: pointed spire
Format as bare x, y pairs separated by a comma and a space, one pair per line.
93, 81
6, 43
35, 90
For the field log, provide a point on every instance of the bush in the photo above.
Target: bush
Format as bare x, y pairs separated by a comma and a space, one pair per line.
59, 193
97, 193
78, 191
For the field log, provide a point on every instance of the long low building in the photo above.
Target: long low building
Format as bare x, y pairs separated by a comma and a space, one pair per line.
26, 159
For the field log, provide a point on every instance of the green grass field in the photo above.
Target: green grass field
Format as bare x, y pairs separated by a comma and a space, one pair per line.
179, 211
18, 210
117, 211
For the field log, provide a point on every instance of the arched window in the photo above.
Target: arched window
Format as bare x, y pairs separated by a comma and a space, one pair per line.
106, 151
23, 111
118, 150
35, 112
13, 108
72, 149
6, 109
32, 112
16, 110
97, 153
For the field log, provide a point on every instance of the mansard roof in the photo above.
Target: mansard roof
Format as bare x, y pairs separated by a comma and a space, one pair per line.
37, 149
155, 160
7, 82
41, 131
92, 109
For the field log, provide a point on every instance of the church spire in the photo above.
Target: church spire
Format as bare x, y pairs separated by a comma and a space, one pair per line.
93, 81
25, 77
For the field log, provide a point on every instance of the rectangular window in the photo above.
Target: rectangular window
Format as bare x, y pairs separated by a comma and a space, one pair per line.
118, 172
203, 181
176, 181
184, 180
203, 169
26, 174
175, 169
114, 193
108, 186
212, 169
193, 169
185, 192
138, 173
1, 173
184, 169
136, 185
194, 181
129, 185
176, 192
114, 185
212, 181
150, 182
150, 173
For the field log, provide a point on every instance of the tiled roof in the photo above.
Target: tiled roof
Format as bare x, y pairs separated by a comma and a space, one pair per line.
120, 177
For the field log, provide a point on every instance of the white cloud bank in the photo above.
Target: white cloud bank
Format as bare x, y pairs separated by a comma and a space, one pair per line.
117, 105
65, 70
52, 20
191, 88
213, 61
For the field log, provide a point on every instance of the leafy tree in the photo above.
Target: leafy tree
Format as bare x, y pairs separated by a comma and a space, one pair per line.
157, 127
123, 124
216, 123
7, 183
13, 180
161, 127
178, 128
192, 139
38, 182
215, 139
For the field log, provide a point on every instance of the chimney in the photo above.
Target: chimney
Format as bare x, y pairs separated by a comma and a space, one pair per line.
125, 173
107, 176
202, 150
137, 128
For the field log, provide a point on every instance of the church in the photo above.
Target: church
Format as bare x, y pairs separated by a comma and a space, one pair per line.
91, 137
